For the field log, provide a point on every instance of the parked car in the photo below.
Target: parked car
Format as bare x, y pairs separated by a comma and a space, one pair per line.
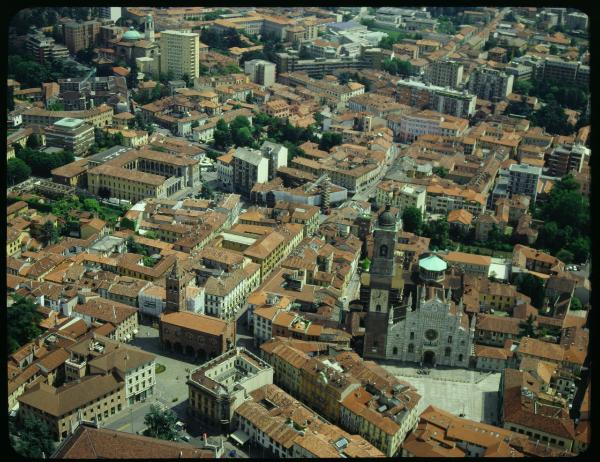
185, 438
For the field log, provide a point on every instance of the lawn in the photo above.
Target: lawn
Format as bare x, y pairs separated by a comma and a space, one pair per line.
484, 251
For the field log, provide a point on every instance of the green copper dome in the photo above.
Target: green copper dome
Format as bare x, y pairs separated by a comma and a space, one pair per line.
433, 263
132, 35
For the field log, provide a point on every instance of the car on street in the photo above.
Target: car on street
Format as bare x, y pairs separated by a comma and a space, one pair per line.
185, 438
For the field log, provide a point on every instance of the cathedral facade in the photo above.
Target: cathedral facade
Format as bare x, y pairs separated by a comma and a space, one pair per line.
434, 330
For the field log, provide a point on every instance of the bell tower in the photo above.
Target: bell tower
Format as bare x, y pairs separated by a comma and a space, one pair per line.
384, 239
149, 29
384, 286
175, 290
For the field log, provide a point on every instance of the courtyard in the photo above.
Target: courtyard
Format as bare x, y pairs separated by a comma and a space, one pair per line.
458, 391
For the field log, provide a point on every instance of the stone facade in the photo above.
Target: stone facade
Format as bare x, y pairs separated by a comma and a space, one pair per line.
432, 333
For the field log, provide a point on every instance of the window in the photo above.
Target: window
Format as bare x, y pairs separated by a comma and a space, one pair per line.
383, 251
447, 351
450, 339
395, 351
412, 335
411, 348
460, 358
378, 308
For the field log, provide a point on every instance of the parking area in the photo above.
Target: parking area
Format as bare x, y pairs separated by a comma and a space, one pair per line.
459, 391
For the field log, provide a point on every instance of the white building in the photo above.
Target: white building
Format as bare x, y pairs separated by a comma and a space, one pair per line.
260, 71
402, 196
224, 295
249, 167
524, 180
194, 299
413, 125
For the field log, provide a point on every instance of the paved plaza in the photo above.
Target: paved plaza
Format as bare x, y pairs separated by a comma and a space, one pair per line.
459, 391
171, 392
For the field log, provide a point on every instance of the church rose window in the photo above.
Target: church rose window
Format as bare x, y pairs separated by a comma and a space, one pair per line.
431, 334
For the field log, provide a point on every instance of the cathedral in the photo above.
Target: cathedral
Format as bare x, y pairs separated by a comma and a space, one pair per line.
427, 326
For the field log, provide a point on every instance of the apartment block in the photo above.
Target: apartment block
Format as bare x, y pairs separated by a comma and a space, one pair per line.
567, 158
440, 99
414, 124
81, 35
401, 196
71, 135
524, 180
490, 84
274, 420
179, 53
260, 71
44, 48
249, 168
445, 73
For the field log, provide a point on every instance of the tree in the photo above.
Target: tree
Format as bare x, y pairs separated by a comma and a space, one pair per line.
565, 256
22, 320
412, 220
553, 49
440, 171
366, 264
35, 439
126, 223
49, 233
242, 137
576, 304
439, 233
329, 140
533, 287
161, 424
16, 171
553, 118
91, 205
529, 327
397, 66
222, 135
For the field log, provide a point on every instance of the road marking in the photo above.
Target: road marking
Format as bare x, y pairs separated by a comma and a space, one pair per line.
122, 427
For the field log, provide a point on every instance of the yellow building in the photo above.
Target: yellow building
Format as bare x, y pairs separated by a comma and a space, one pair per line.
101, 116
94, 398
179, 53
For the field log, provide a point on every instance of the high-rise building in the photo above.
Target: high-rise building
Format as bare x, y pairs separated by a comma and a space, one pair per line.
524, 180
440, 99
71, 134
179, 53
260, 71
44, 48
81, 35
445, 73
109, 12
566, 158
249, 167
490, 84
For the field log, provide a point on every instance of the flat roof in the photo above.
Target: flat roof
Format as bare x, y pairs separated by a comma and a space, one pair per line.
69, 122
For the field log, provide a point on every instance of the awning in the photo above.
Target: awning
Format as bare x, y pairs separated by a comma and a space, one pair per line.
240, 437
